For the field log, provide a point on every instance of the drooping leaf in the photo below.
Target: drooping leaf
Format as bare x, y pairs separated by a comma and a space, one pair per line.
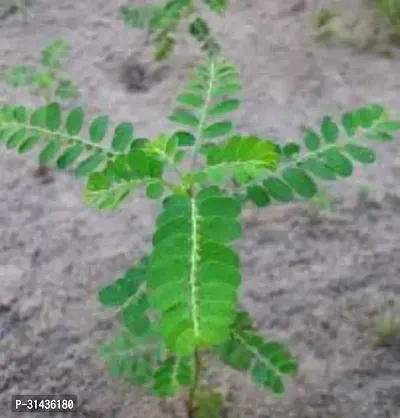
184, 117
267, 362
74, 122
300, 182
173, 374
123, 136
338, 162
312, 140
329, 130
53, 117
360, 154
98, 128
217, 129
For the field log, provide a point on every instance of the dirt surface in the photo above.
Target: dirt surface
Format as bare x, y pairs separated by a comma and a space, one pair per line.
316, 286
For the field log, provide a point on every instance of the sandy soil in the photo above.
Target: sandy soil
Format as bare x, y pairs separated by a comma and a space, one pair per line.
315, 286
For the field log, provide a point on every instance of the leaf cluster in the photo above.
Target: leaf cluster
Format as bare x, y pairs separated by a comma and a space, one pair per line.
46, 78
162, 22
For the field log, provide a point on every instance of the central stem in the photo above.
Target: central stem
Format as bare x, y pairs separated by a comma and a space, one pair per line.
191, 410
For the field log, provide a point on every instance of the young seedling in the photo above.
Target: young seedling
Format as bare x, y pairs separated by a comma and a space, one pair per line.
46, 79
15, 6
387, 325
161, 23
389, 10
181, 300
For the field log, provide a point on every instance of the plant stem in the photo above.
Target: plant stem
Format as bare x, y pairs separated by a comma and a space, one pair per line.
191, 406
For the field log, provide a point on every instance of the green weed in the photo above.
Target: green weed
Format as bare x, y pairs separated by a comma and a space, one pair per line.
389, 10
161, 23
45, 79
387, 326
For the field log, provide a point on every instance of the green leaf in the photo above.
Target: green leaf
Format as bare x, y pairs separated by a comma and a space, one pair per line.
108, 189
185, 139
21, 75
338, 162
267, 362
184, 117
98, 128
210, 405
126, 293
133, 357
53, 116
50, 151
171, 146
223, 107
188, 244
173, 374
217, 129
89, 164
38, 117
28, 144
318, 168
329, 130
138, 17
74, 122
278, 189
66, 90
69, 156
259, 196
378, 136
52, 55
124, 287
218, 6
21, 114
300, 182
242, 158
227, 89
155, 190
179, 157
312, 140
348, 124
390, 126
15, 139
291, 150
361, 154
123, 137
191, 100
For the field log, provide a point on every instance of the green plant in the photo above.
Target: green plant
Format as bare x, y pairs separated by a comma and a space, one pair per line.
387, 325
161, 23
180, 301
15, 6
389, 10
45, 80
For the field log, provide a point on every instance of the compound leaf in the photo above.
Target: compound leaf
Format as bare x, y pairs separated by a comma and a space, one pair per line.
205, 94
241, 158
127, 295
172, 375
194, 252
108, 189
267, 362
